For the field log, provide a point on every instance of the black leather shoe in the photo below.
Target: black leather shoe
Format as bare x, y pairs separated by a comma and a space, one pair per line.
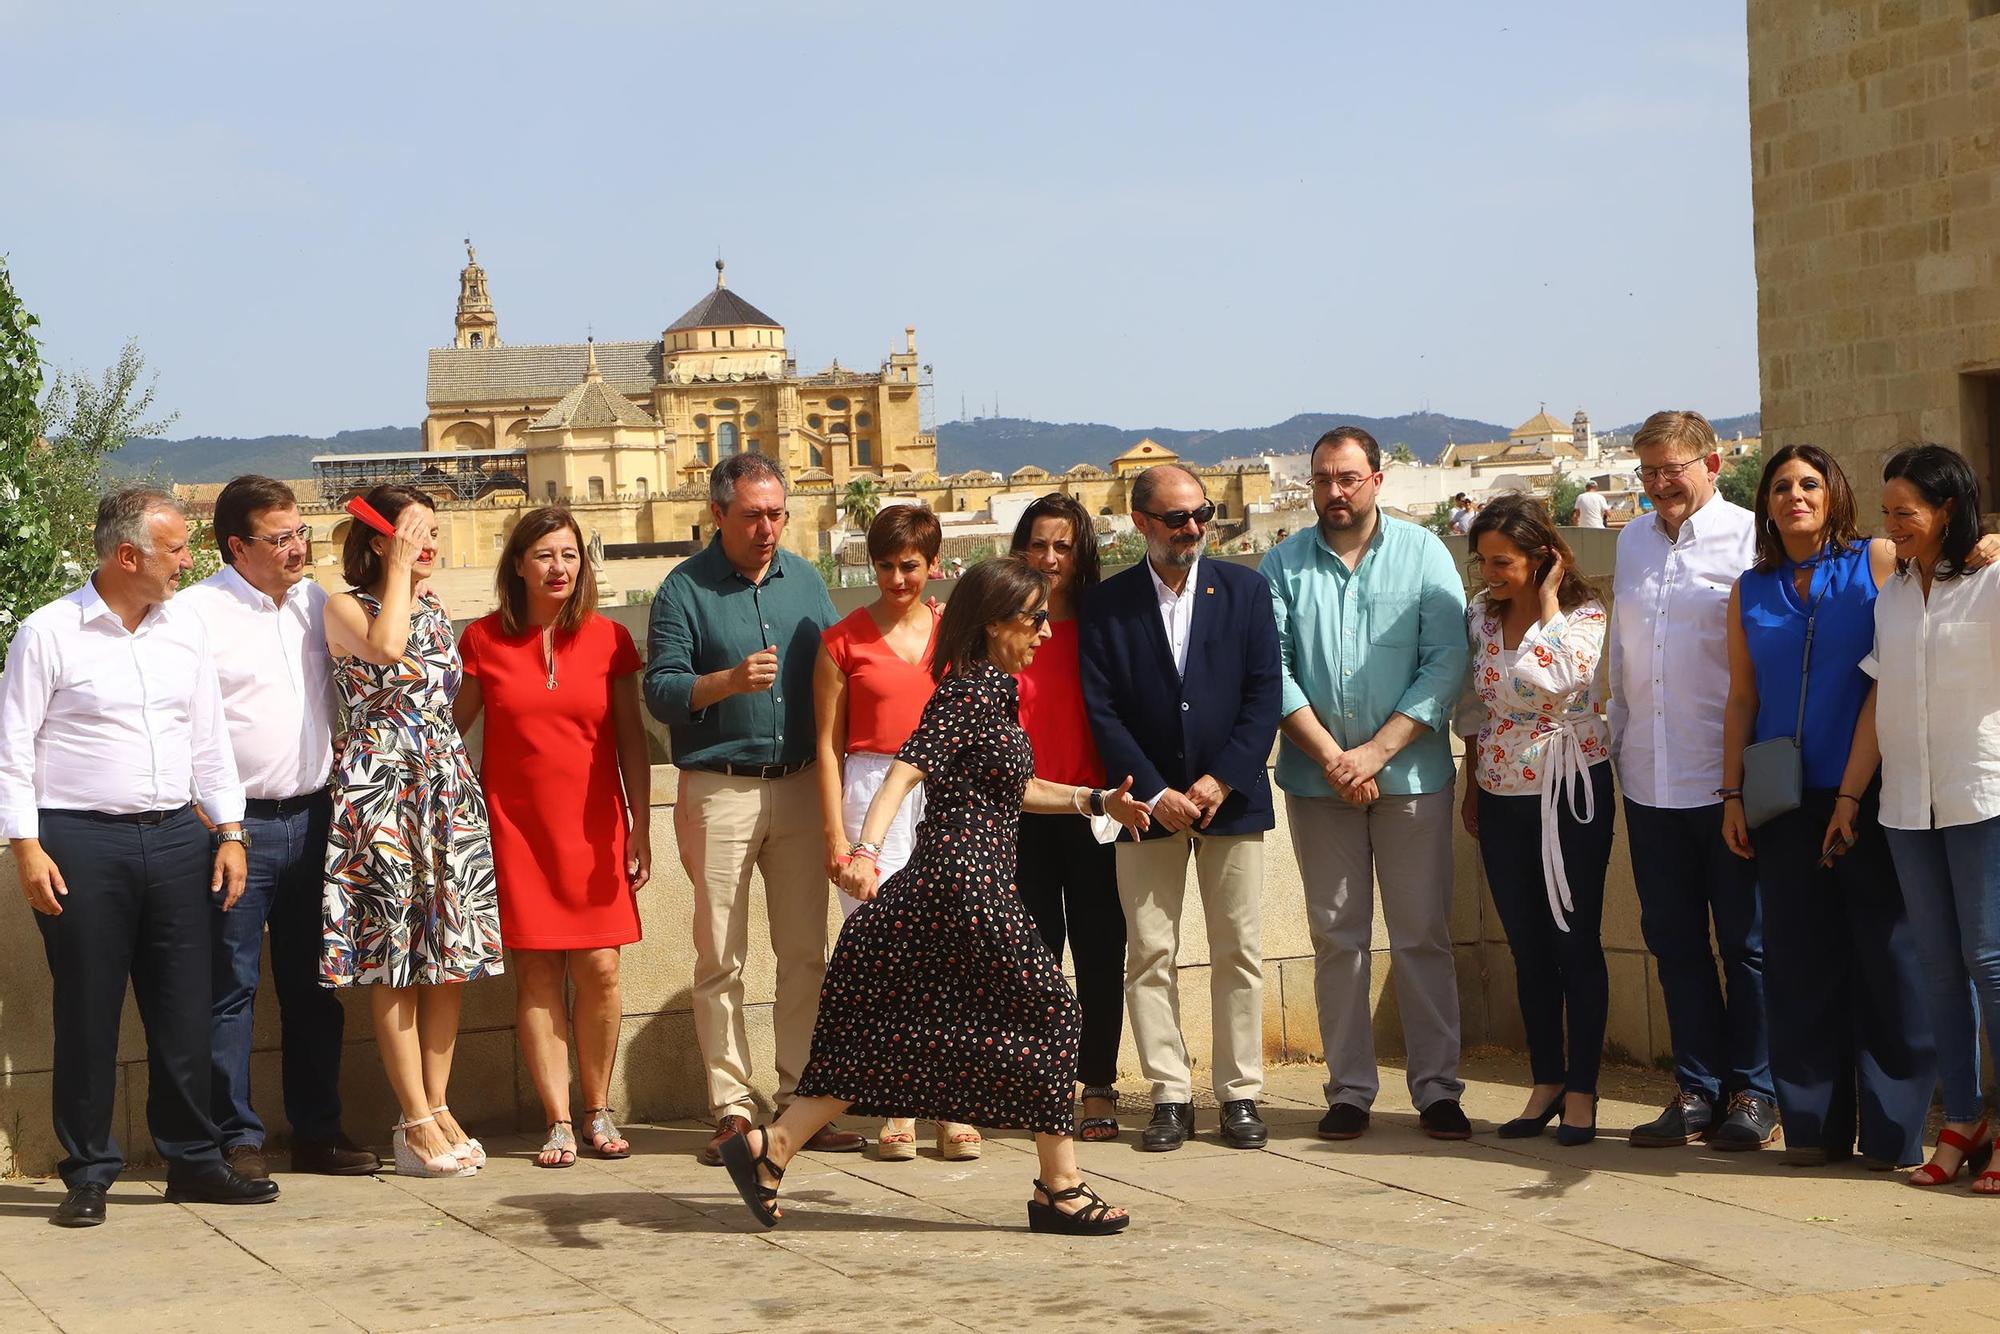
1343, 1120
247, 1161
221, 1186
336, 1157
1686, 1119
82, 1207
1752, 1123
1242, 1128
1172, 1123
1445, 1119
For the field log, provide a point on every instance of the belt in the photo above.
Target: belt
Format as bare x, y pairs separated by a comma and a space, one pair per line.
765, 771
266, 808
127, 817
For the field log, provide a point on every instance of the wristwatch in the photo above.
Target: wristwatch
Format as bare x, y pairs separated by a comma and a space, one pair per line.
233, 836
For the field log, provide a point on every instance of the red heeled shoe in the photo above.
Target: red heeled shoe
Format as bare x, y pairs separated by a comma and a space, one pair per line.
1974, 1151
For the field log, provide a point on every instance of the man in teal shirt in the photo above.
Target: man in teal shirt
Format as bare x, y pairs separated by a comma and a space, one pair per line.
1371, 628
731, 643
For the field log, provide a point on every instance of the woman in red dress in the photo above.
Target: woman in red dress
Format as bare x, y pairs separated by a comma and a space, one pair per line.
567, 780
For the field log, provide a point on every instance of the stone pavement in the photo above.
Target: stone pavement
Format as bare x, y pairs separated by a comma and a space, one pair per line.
1391, 1231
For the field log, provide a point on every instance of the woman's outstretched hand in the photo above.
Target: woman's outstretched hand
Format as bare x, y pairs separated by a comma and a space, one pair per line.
1120, 806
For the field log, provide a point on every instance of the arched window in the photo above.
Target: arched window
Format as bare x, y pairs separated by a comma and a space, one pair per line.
725, 439
639, 485
814, 457
549, 490
597, 488
476, 341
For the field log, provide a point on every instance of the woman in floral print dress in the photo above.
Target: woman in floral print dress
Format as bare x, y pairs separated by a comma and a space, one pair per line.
1538, 797
410, 906
941, 1002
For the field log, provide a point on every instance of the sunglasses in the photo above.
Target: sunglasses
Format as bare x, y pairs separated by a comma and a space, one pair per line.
1179, 518
1037, 618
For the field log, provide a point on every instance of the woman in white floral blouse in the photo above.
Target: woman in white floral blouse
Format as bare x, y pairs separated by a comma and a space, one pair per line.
1538, 796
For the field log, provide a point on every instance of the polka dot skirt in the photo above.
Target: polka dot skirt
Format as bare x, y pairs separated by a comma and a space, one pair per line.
941, 1001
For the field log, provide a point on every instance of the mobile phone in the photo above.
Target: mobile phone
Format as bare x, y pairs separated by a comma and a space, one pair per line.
1835, 849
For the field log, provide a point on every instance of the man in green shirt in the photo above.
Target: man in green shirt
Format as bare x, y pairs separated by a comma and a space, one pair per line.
1371, 630
731, 643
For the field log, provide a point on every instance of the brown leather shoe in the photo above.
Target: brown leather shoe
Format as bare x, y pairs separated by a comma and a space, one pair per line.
711, 1153
832, 1139
247, 1161
336, 1157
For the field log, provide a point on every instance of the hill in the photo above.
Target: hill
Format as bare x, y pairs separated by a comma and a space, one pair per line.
1002, 444
1751, 424
209, 458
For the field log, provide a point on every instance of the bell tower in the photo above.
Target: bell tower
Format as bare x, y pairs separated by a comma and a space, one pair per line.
478, 326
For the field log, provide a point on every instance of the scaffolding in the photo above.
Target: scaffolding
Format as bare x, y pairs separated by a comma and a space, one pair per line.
466, 474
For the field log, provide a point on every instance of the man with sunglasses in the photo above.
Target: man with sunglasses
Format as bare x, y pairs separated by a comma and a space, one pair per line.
1669, 682
1371, 623
269, 620
1179, 659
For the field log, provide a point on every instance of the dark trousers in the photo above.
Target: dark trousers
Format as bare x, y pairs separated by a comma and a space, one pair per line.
1844, 988
137, 908
284, 889
1557, 974
1686, 876
1068, 882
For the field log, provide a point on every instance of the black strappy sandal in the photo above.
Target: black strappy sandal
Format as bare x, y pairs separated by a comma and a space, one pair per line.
743, 1165
1099, 1129
1093, 1220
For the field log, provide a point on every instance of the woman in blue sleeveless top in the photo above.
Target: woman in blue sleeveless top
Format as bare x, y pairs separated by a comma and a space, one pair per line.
1851, 1045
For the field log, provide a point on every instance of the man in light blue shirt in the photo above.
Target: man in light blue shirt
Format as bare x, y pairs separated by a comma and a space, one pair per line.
1371, 628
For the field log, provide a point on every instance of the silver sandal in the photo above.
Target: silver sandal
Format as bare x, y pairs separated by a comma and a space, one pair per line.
600, 1129
561, 1140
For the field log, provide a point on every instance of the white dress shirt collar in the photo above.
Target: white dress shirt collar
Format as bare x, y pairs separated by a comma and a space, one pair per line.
1176, 611
276, 680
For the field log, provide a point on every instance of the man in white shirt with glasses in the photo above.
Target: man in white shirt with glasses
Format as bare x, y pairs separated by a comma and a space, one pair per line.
266, 619
110, 730
1669, 680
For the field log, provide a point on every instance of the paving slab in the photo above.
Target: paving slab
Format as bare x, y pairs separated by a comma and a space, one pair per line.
1393, 1231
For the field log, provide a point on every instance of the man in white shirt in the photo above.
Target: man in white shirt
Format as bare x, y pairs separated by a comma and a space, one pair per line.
1178, 658
1669, 681
110, 724
266, 620
1591, 506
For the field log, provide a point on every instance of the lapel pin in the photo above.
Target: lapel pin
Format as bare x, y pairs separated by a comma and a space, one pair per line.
1210, 591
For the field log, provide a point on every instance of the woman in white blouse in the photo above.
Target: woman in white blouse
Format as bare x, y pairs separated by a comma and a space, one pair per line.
1538, 797
1937, 721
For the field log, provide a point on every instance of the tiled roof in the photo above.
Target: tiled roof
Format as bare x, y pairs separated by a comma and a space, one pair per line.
1540, 424
721, 309
593, 404
506, 374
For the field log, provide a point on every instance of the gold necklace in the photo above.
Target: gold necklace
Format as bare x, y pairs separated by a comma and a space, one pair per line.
549, 652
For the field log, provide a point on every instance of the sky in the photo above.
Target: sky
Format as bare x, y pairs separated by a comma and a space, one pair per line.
1159, 214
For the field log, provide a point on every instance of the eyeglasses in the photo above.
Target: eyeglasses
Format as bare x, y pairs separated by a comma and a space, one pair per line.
302, 535
1038, 618
1179, 518
1666, 472
1347, 483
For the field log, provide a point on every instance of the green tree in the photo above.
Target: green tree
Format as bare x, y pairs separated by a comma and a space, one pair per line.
52, 456
862, 500
1439, 521
1739, 478
1401, 453
1564, 488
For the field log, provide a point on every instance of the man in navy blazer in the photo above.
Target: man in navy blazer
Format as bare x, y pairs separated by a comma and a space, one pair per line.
1179, 658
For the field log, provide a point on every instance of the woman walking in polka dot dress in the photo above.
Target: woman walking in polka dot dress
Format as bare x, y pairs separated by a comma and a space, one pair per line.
941, 1002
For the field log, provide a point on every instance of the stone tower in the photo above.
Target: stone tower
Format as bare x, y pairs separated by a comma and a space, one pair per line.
478, 326
1586, 439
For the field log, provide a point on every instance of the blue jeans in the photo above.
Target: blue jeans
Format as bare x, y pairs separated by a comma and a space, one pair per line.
286, 881
1685, 875
1951, 885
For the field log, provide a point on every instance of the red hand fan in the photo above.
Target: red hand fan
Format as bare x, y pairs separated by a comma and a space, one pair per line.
368, 514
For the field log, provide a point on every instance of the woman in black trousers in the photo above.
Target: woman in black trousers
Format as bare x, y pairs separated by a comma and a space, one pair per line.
1068, 881
1538, 798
